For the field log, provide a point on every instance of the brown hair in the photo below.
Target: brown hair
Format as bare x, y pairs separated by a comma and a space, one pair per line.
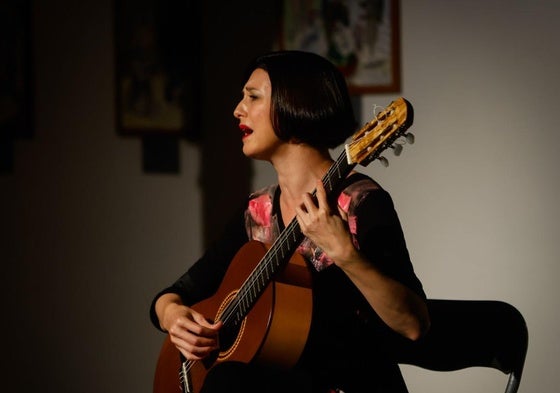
310, 99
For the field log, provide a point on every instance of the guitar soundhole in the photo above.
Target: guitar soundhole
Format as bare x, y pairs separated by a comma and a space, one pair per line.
231, 333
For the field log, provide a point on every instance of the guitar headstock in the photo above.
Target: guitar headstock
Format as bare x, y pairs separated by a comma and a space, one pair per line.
381, 133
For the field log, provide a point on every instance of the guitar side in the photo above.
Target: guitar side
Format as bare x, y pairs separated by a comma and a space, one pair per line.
273, 332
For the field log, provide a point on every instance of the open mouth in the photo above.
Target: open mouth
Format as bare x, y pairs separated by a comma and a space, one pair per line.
245, 131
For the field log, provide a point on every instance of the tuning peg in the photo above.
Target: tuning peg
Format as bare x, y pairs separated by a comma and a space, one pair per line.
384, 161
397, 149
409, 138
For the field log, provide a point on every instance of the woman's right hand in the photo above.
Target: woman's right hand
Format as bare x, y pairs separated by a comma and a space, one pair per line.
188, 330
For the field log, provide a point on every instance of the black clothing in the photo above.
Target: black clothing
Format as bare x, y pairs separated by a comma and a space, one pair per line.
348, 345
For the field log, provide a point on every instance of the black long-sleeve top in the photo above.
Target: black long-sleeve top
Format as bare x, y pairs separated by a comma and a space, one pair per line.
348, 343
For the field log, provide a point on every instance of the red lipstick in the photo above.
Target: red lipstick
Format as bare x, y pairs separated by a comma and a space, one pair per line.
246, 131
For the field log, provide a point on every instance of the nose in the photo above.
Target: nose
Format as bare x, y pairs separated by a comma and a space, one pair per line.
239, 111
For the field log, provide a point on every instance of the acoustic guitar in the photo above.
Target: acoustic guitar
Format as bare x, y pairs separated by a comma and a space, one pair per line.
264, 300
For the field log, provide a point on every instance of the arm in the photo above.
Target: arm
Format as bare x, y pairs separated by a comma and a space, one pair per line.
170, 311
397, 305
401, 308
188, 330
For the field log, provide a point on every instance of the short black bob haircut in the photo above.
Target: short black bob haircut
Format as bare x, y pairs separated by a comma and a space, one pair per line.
310, 102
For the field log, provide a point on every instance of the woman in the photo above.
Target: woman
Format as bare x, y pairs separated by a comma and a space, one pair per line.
295, 107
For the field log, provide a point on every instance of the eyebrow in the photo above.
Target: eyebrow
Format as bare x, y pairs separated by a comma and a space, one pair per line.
249, 89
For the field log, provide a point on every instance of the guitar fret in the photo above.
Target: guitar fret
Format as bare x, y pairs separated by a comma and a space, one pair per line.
338, 171
247, 301
253, 295
243, 307
329, 184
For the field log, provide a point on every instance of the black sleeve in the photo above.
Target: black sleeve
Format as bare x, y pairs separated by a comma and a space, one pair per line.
381, 239
203, 278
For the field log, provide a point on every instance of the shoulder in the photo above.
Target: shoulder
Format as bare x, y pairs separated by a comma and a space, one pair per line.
359, 188
264, 192
260, 221
261, 203
367, 205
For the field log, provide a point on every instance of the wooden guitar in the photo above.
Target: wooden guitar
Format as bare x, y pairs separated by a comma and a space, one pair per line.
264, 300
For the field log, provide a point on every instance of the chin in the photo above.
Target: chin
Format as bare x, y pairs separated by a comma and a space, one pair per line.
254, 155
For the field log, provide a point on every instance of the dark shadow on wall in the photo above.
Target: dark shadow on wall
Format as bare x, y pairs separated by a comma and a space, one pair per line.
232, 34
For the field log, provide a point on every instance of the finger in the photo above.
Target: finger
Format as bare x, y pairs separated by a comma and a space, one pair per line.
195, 338
321, 194
308, 203
200, 319
193, 351
199, 346
189, 329
301, 217
209, 331
322, 200
299, 212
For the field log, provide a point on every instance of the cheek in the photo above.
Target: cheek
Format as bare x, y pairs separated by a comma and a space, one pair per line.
263, 111
264, 117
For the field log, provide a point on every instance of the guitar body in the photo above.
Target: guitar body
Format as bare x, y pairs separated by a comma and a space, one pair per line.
274, 331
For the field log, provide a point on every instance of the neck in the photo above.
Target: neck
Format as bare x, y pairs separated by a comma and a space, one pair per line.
298, 170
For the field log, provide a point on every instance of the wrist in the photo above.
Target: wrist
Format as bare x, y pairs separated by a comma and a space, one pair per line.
349, 259
165, 307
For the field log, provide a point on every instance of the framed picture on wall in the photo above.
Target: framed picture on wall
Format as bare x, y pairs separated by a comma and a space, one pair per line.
361, 37
157, 67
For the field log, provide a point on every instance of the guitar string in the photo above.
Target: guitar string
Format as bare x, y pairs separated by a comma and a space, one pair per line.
292, 231
254, 284
247, 289
249, 284
244, 293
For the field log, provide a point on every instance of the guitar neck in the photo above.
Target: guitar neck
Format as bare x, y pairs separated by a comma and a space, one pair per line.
280, 252
365, 146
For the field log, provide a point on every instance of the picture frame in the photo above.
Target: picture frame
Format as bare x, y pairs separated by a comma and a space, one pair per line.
362, 38
157, 67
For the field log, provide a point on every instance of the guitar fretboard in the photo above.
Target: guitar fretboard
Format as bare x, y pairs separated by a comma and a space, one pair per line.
279, 254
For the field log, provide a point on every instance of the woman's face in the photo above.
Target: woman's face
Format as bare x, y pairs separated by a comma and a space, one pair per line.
253, 113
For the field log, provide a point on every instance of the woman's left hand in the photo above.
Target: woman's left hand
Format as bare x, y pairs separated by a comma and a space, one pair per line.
398, 306
328, 230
